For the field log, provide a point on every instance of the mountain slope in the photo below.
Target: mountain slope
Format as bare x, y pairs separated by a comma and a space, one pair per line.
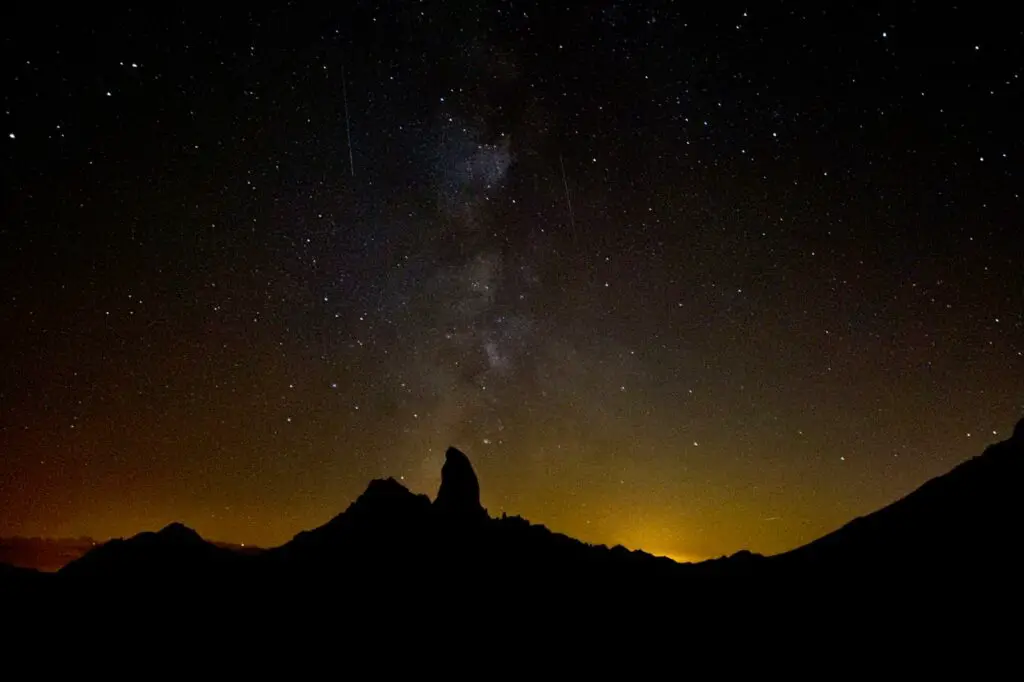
174, 554
964, 522
392, 550
390, 536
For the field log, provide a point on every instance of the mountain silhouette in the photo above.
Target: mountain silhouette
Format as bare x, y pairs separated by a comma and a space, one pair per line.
949, 547
458, 498
16, 581
175, 554
390, 536
950, 525
386, 521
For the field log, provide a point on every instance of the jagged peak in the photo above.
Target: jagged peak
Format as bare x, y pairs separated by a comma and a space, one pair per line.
459, 494
387, 493
385, 487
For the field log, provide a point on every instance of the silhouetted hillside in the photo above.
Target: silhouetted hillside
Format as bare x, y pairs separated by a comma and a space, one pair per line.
387, 518
391, 536
52, 554
176, 554
392, 551
965, 522
16, 581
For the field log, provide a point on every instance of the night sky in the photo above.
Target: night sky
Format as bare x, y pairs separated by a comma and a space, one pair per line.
687, 277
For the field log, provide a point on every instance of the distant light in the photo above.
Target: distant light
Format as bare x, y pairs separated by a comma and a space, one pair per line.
12, 136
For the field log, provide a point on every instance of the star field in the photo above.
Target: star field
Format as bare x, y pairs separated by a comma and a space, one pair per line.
689, 279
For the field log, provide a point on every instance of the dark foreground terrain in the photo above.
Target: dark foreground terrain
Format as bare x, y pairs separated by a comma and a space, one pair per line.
396, 564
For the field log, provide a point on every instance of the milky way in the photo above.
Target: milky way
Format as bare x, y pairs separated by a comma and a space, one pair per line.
687, 279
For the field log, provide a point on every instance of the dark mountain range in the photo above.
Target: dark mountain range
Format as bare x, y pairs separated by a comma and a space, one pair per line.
392, 550
52, 554
176, 552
